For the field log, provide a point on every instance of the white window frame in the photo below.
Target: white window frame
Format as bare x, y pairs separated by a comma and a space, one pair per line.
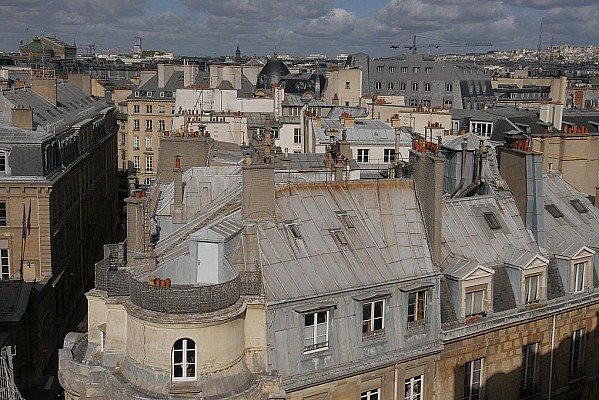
415, 86
417, 308
529, 364
372, 394
414, 388
149, 124
148, 142
186, 350
427, 87
392, 68
473, 379
136, 142
532, 282
4, 264
3, 160
161, 108
3, 216
481, 128
404, 69
161, 125
135, 124
373, 324
449, 87
149, 164
379, 68
363, 155
135, 108
576, 351
470, 302
377, 86
297, 135
579, 277
388, 155
390, 86
136, 163
314, 337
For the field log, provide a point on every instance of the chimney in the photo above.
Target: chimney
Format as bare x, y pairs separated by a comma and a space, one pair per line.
146, 75
45, 87
82, 82
522, 170
165, 71
258, 198
22, 117
178, 214
428, 182
135, 223
344, 146
347, 120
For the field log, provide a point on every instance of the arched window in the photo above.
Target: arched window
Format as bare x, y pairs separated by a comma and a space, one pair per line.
413, 102
402, 86
427, 87
377, 85
415, 86
184, 360
390, 86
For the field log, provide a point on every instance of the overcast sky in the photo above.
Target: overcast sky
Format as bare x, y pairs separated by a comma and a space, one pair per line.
299, 27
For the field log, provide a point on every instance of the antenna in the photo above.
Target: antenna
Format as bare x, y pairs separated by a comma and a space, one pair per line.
539, 50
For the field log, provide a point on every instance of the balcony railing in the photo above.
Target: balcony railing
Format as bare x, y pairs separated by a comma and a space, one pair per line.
577, 373
530, 389
373, 334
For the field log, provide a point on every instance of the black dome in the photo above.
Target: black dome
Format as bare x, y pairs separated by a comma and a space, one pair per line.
271, 73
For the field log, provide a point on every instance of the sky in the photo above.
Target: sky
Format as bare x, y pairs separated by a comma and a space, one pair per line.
299, 27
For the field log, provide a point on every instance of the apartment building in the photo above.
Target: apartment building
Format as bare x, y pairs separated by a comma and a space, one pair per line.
57, 204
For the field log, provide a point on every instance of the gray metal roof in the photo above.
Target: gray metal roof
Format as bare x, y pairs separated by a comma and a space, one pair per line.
295, 100
365, 131
14, 296
454, 142
466, 233
387, 242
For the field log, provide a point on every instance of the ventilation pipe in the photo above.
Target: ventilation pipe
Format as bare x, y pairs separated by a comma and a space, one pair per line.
463, 168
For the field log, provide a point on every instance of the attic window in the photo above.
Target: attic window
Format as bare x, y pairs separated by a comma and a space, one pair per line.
294, 229
577, 204
492, 220
149, 94
554, 211
339, 236
137, 93
161, 94
345, 218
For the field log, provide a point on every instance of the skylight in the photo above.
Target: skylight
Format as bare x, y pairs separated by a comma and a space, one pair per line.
578, 206
492, 220
339, 236
294, 229
554, 211
345, 218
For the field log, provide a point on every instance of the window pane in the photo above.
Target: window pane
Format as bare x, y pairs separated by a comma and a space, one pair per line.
309, 319
378, 309
191, 371
178, 356
178, 371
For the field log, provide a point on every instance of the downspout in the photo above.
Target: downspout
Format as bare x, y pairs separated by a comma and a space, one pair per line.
395, 383
551, 358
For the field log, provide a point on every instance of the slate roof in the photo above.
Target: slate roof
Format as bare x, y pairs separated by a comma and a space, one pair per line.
295, 100
14, 296
387, 242
174, 82
365, 132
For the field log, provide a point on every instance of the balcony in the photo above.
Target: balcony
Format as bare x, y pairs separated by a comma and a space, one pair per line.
373, 334
577, 373
529, 390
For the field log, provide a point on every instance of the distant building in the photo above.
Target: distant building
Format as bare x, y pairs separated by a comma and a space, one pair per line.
45, 47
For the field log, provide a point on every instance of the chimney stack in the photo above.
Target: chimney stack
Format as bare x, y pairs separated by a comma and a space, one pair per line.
45, 87
258, 199
22, 117
178, 214
135, 224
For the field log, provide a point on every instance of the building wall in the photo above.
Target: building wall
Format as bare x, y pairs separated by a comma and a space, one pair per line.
501, 349
346, 84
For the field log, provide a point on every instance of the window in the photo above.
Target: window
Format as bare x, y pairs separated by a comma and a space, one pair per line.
531, 288
415, 86
379, 68
172, 109
135, 142
426, 103
148, 124
481, 128
294, 111
149, 161
363, 155
416, 70
427, 87
492, 220
373, 394
390, 86
347, 85
448, 87
148, 142
4, 264
162, 94
136, 163
136, 108
413, 102
413, 388
184, 360
392, 69
102, 340
149, 94
576, 367
428, 70
473, 379
297, 135
579, 277
161, 125
316, 331
123, 138
2, 213
161, 108
447, 103
377, 85
417, 302
373, 318
402, 86
578, 206
148, 181
149, 108
388, 155
2, 161
475, 301
404, 69
528, 383
135, 124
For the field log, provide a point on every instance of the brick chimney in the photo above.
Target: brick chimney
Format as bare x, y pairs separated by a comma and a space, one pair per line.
347, 120
178, 214
45, 87
135, 224
22, 117
428, 182
258, 200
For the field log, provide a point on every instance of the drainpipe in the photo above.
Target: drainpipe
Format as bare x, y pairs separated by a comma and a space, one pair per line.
551, 358
395, 383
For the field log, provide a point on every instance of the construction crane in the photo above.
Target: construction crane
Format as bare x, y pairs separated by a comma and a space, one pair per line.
413, 46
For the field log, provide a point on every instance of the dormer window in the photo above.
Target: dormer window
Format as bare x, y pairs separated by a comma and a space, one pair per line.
475, 300
578, 206
2, 161
576, 268
531, 289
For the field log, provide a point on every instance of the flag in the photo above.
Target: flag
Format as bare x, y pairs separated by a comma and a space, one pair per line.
24, 223
29, 220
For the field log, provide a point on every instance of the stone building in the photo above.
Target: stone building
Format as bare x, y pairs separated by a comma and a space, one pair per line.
47, 47
57, 202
